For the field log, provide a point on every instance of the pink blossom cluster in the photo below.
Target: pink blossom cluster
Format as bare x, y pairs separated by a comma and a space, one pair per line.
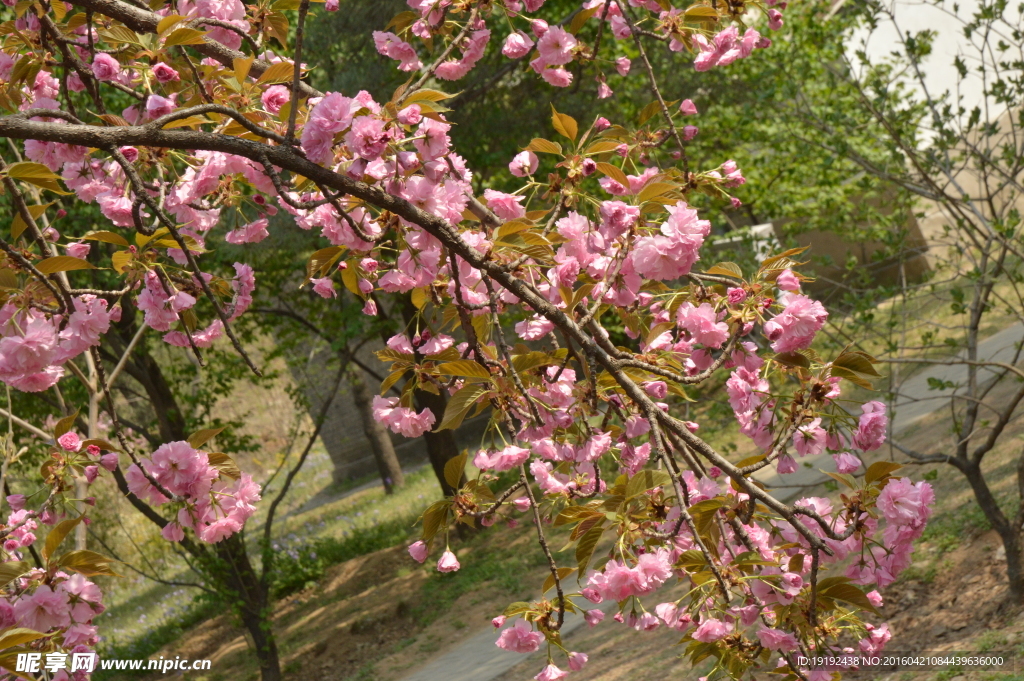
402, 420
212, 507
33, 347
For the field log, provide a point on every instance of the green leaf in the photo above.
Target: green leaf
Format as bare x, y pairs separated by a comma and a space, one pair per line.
37, 174
653, 190
12, 570
201, 437
850, 594
615, 173
225, 464
120, 34
63, 263
185, 36
858, 362
852, 377
543, 146
419, 297
88, 563
726, 269
120, 260
565, 125
645, 480
102, 444
581, 18
57, 535
549, 583
586, 546
107, 237
793, 359
427, 95
18, 226
880, 470
281, 72
64, 425
700, 13
435, 515
460, 404
167, 22
454, 469
464, 367
517, 608
649, 111
845, 478
321, 262
18, 636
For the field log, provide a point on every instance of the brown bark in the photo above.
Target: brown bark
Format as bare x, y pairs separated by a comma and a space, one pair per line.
377, 433
229, 565
1009, 531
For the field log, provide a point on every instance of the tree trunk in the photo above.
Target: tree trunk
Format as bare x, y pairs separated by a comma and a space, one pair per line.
252, 603
441, 446
1009, 531
376, 432
232, 570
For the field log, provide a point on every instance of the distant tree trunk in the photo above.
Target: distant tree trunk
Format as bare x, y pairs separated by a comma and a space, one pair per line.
1009, 530
376, 432
227, 561
441, 446
253, 604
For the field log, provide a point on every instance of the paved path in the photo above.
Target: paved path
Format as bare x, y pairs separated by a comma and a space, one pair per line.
478, 659
915, 400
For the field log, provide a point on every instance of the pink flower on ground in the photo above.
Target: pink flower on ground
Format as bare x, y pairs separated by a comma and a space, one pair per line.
448, 562
520, 638
418, 551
